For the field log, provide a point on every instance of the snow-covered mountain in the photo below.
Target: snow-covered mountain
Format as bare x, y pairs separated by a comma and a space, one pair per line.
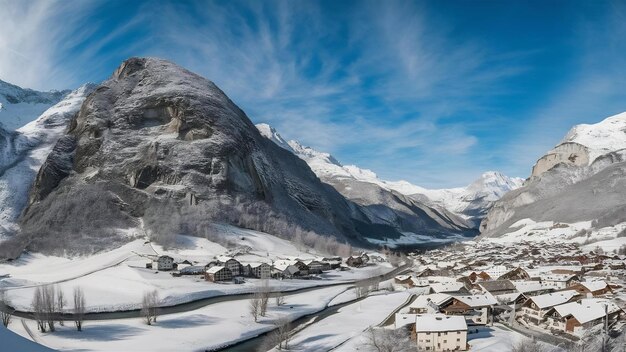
470, 202
19, 106
24, 150
582, 179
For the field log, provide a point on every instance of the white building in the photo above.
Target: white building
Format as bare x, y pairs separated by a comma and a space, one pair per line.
438, 332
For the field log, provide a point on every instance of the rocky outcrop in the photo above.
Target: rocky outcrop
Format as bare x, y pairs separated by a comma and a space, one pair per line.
581, 179
566, 153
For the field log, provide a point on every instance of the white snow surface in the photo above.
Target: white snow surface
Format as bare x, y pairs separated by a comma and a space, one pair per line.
206, 328
30, 146
19, 106
489, 187
117, 279
606, 136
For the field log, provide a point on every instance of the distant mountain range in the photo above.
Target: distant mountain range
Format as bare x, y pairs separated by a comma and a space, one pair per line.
157, 148
469, 203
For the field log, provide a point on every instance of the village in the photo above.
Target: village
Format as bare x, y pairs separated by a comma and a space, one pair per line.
223, 269
549, 291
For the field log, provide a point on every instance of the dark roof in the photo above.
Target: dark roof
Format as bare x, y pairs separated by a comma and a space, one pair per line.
497, 285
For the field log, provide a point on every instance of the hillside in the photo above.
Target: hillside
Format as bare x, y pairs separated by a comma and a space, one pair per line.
581, 180
457, 208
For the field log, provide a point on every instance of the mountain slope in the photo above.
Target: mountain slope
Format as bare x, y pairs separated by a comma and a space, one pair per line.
19, 106
581, 179
158, 142
457, 209
23, 153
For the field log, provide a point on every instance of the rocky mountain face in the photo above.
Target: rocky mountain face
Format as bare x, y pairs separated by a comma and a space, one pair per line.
581, 179
409, 208
156, 136
19, 106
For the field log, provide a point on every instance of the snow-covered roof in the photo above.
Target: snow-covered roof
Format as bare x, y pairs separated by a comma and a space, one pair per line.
440, 287
423, 300
532, 286
508, 297
404, 319
594, 285
214, 269
481, 300
224, 258
552, 299
439, 322
587, 309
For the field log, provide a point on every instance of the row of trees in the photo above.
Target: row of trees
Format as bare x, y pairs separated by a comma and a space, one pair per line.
258, 304
49, 306
164, 219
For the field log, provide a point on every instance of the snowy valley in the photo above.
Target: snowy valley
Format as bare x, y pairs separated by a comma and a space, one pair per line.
148, 213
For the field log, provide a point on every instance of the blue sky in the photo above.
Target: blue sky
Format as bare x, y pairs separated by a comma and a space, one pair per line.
433, 92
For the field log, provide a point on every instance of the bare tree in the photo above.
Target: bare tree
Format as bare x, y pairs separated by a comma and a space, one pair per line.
279, 297
255, 306
528, 345
61, 302
264, 293
385, 340
49, 305
6, 311
79, 308
38, 309
149, 306
279, 337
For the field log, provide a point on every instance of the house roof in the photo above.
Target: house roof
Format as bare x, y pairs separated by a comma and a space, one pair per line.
587, 309
224, 258
508, 297
214, 269
532, 286
553, 299
481, 300
439, 322
594, 285
436, 298
440, 287
497, 285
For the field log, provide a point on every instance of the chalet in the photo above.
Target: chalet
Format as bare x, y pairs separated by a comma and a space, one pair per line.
218, 273
258, 270
429, 303
448, 287
575, 316
477, 308
513, 300
303, 269
284, 269
315, 266
438, 332
535, 309
515, 274
404, 280
232, 264
592, 288
163, 263
534, 288
560, 281
497, 287
192, 270
354, 261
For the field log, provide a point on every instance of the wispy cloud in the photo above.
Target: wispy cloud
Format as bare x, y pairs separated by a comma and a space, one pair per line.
395, 86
